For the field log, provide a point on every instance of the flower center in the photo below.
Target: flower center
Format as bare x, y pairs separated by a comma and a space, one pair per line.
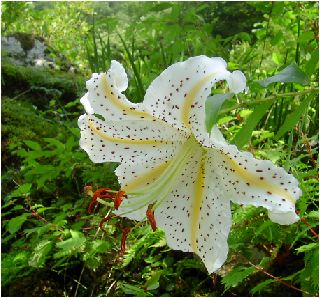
156, 192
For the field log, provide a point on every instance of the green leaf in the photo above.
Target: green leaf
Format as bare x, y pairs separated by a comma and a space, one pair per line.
313, 214
213, 105
56, 143
15, 223
40, 254
293, 118
153, 282
33, 145
133, 290
22, 191
313, 64
236, 276
291, 74
133, 66
244, 134
190, 263
142, 245
161, 6
261, 286
100, 246
307, 247
72, 245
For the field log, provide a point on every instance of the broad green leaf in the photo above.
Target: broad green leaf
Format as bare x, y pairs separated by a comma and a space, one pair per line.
293, 118
307, 247
33, 145
100, 246
153, 282
244, 134
38, 230
72, 245
15, 223
133, 290
236, 276
291, 74
313, 64
39, 256
313, 214
190, 263
22, 191
55, 143
261, 286
213, 105
161, 6
305, 37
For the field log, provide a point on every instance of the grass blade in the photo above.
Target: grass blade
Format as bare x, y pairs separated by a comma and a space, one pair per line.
244, 134
293, 118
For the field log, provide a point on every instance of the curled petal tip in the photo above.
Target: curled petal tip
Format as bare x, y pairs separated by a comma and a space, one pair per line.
119, 76
86, 103
283, 218
237, 82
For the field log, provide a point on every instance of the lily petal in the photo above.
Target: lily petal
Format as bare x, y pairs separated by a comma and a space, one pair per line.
127, 139
184, 86
194, 217
250, 181
104, 96
237, 82
178, 95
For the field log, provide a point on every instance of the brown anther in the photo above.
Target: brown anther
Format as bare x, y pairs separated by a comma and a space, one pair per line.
119, 198
125, 233
150, 216
100, 193
102, 221
88, 190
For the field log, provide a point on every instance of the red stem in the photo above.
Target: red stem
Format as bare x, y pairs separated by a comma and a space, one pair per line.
308, 225
280, 280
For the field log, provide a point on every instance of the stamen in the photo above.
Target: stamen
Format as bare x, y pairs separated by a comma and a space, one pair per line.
125, 233
102, 193
119, 198
150, 216
102, 221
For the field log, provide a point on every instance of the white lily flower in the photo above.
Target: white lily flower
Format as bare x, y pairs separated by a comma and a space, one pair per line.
169, 161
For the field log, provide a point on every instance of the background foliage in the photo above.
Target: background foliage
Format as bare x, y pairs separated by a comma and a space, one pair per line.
51, 245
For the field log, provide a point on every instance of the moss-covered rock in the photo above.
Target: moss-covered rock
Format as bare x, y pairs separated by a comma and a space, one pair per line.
40, 85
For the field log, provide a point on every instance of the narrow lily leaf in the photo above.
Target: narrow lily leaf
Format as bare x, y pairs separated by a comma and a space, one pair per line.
291, 74
133, 66
307, 247
244, 134
293, 118
213, 105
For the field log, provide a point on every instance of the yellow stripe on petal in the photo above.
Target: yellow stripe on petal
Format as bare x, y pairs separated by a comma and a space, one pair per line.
119, 104
146, 178
189, 99
109, 138
259, 182
197, 203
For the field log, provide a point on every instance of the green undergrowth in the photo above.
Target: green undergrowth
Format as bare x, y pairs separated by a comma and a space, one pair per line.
39, 85
49, 238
